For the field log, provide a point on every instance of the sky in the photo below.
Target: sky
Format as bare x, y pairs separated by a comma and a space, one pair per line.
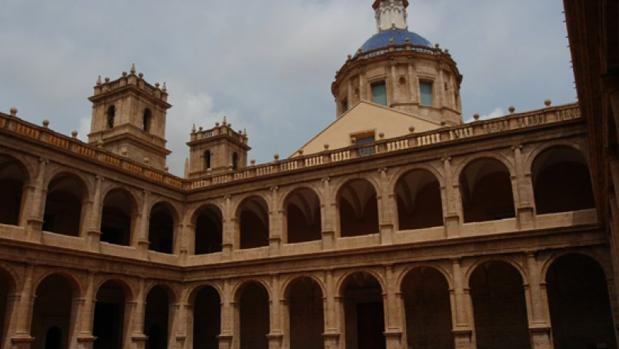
267, 65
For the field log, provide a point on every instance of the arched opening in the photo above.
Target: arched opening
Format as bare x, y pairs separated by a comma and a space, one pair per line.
51, 319
13, 177
486, 188
119, 210
303, 222
253, 215
156, 318
235, 161
63, 207
111, 115
363, 312
207, 160
7, 287
418, 196
428, 310
254, 316
561, 181
161, 228
305, 314
147, 119
209, 230
206, 319
580, 309
109, 318
358, 208
499, 307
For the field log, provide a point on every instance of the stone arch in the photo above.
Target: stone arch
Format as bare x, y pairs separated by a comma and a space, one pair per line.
357, 202
205, 319
303, 216
561, 180
486, 190
427, 309
363, 311
253, 314
499, 305
67, 194
110, 324
418, 199
14, 177
118, 217
305, 325
159, 299
578, 297
253, 222
162, 223
207, 221
53, 311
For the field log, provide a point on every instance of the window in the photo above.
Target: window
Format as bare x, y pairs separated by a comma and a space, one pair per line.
207, 160
111, 114
365, 143
379, 93
344, 104
425, 88
146, 120
235, 161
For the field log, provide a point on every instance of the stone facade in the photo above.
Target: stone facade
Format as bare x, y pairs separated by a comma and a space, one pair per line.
471, 235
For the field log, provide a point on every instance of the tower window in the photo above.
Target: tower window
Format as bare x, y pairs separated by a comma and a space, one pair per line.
111, 115
235, 161
379, 93
207, 160
425, 88
344, 104
146, 120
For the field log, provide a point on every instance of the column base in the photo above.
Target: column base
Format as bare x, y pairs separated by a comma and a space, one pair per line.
22, 342
541, 336
225, 341
139, 341
85, 341
394, 339
463, 338
331, 340
275, 340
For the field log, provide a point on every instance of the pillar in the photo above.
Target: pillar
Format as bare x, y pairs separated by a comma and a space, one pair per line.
21, 316
393, 314
177, 325
227, 317
452, 202
276, 333
385, 209
138, 338
462, 310
523, 190
275, 223
142, 231
328, 215
537, 306
228, 228
412, 83
331, 303
93, 215
36, 203
84, 310
395, 95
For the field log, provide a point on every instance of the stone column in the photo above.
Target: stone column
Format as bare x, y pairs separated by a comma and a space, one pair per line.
227, 317
84, 310
328, 215
385, 209
439, 90
228, 228
177, 326
275, 223
523, 188
452, 201
21, 316
142, 231
537, 306
179, 246
412, 83
331, 309
395, 95
93, 217
392, 305
138, 338
462, 310
363, 93
36, 204
276, 333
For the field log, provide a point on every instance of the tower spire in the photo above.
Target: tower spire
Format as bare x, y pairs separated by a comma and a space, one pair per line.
391, 14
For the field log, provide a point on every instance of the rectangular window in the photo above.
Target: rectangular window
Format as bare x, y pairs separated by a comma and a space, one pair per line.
379, 93
425, 88
365, 143
344, 105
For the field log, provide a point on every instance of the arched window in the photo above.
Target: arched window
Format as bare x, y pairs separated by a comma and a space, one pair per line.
109, 315
305, 314
302, 209
63, 206
418, 196
156, 319
206, 318
208, 234
253, 218
13, 177
253, 315
111, 115
146, 120
364, 319
207, 160
119, 210
54, 300
235, 161
161, 228
358, 208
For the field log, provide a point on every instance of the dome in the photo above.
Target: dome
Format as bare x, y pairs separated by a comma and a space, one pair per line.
399, 36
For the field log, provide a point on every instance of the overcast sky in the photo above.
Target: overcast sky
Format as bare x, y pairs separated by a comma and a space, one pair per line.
266, 64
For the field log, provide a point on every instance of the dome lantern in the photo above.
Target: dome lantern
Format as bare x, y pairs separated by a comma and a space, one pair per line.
391, 14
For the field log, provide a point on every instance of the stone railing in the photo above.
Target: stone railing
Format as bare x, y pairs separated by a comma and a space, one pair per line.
12, 124
413, 140
46, 136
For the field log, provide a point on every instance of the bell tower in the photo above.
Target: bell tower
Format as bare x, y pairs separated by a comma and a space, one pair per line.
391, 14
129, 118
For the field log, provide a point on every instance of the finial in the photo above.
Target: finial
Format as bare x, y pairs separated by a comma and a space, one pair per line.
253, 162
157, 85
217, 124
132, 69
99, 80
141, 75
391, 41
46, 123
74, 133
476, 116
512, 109
411, 129
548, 102
165, 88
245, 132
276, 157
300, 152
225, 122
13, 111
193, 128
349, 57
381, 135
107, 79
437, 46
124, 74
326, 146
200, 128
146, 160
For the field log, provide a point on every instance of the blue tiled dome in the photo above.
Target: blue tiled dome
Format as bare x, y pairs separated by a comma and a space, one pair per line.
399, 36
